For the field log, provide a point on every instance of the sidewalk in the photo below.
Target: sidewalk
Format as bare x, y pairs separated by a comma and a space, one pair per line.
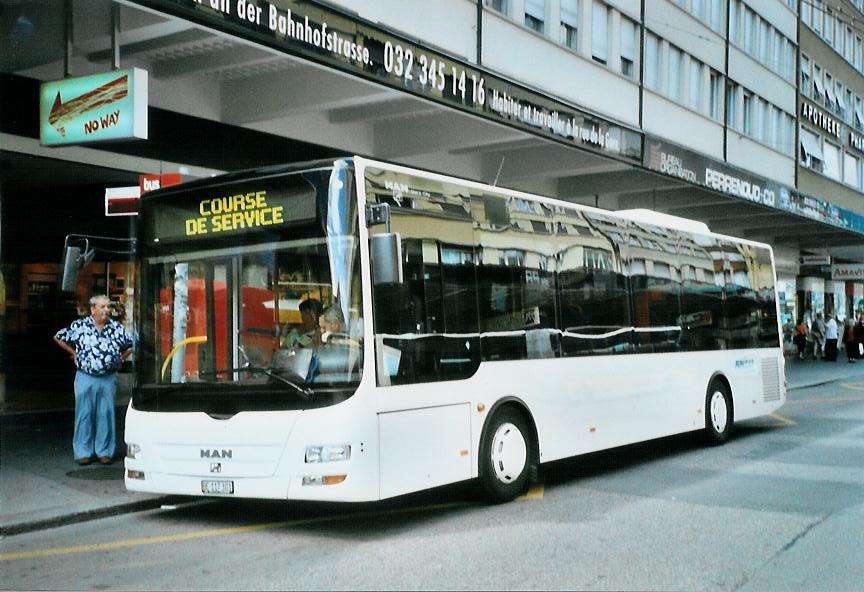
41, 487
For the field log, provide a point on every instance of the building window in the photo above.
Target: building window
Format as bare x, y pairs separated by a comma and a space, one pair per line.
850, 170
628, 47
731, 91
777, 52
817, 17
652, 61
805, 75
570, 23
748, 113
777, 125
502, 6
694, 97
765, 122
535, 14
828, 31
818, 89
764, 33
673, 75
716, 16
749, 29
697, 8
734, 20
790, 135
600, 32
830, 99
858, 52
811, 150
859, 114
714, 95
790, 61
832, 161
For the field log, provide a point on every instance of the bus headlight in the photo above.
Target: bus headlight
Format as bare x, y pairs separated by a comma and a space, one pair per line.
328, 453
132, 450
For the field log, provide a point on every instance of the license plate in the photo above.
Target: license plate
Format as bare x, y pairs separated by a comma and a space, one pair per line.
223, 487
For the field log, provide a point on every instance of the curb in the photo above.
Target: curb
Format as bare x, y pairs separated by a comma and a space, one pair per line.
95, 514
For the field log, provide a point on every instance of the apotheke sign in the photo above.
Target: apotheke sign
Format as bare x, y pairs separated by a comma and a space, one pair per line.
821, 119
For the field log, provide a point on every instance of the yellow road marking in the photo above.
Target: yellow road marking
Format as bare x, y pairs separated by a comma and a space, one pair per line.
534, 493
781, 419
213, 533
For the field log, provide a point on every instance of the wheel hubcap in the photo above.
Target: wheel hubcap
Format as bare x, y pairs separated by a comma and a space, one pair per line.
509, 453
719, 412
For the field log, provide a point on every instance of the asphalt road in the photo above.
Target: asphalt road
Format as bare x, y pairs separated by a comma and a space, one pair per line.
779, 507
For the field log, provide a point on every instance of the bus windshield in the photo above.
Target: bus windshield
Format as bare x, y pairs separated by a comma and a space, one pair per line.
261, 309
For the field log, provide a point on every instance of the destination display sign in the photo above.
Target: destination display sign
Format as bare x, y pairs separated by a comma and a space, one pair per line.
97, 108
231, 209
339, 40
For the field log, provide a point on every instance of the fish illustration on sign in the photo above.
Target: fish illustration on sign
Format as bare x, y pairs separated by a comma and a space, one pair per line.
61, 113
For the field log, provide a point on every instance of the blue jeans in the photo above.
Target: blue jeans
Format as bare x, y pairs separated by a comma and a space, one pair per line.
94, 415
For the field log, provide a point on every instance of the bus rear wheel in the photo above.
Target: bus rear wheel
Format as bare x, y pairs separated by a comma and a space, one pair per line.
718, 413
506, 452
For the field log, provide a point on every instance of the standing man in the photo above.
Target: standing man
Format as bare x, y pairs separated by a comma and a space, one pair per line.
817, 331
98, 345
832, 334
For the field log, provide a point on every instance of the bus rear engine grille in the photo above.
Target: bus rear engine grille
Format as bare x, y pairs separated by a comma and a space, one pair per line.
770, 379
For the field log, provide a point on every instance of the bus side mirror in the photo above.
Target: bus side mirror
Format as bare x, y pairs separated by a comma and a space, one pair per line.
73, 261
386, 254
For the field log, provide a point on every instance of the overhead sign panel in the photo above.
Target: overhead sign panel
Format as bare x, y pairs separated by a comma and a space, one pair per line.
848, 271
696, 168
340, 40
97, 108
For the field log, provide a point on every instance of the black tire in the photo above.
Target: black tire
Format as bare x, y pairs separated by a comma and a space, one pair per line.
719, 413
506, 456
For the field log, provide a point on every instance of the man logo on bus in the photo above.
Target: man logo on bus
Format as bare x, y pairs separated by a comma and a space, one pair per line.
215, 467
206, 453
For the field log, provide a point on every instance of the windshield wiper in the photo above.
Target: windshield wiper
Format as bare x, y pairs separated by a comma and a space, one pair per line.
305, 392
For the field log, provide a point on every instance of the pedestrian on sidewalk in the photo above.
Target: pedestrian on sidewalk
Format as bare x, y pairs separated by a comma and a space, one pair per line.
849, 341
817, 333
800, 338
98, 345
859, 335
832, 335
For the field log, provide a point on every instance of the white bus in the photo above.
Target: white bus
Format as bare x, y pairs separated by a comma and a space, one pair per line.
470, 331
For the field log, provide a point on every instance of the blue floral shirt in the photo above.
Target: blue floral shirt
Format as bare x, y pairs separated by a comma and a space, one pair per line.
96, 352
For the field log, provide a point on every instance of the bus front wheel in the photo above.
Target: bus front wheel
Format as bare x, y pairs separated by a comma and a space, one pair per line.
505, 453
718, 413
